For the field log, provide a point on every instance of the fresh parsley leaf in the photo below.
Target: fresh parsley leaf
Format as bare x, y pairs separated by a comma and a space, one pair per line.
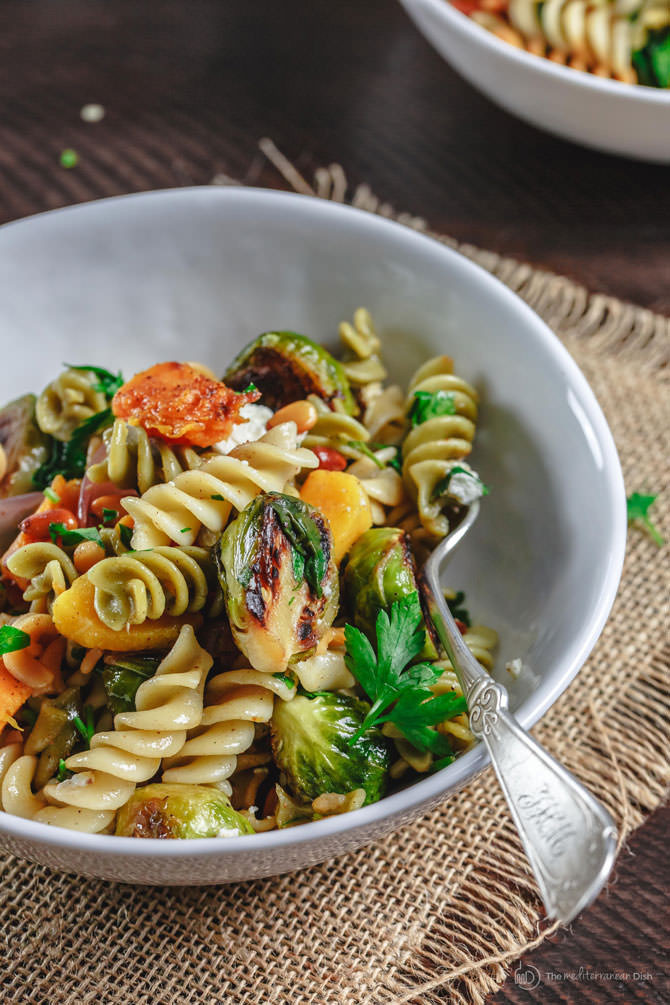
60, 531
126, 535
638, 507
442, 487
12, 639
460, 613
285, 679
249, 388
184, 530
218, 497
397, 689
430, 405
85, 727
109, 515
108, 383
63, 771
52, 496
69, 459
363, 448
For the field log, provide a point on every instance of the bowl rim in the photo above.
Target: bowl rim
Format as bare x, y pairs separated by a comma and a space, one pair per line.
464, 769
580, 78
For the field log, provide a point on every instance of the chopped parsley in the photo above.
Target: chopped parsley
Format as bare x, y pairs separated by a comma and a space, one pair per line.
109, 515
52, 496
285, 679
67, 537
126, 535
459, 613
218, 497
363, 448
63, 771
69, 158
108, 383
430, 405
638, 507
12, 639
69, 459
398, 690
86, 726
185, 530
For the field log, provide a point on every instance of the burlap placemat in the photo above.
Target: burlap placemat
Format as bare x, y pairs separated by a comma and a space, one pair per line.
437, 910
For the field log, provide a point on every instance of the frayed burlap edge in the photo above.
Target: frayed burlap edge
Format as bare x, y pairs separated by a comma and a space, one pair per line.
481, 945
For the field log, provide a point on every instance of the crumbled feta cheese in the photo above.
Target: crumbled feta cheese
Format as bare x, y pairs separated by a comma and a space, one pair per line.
228, 832
465, 486
514, 667
257, 418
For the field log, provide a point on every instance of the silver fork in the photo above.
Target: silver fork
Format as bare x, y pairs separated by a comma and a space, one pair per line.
569, 837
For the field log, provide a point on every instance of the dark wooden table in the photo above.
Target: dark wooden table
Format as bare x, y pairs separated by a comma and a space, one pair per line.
189, 87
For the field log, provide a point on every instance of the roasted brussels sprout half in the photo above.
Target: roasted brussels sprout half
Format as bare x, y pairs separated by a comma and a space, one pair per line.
652, 60
123, 676
286, 366
54, 735
379, 569
26, 447
310, 746
279, 579
180, 811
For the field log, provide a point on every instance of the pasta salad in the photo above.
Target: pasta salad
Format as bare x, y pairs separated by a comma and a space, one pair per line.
211, 619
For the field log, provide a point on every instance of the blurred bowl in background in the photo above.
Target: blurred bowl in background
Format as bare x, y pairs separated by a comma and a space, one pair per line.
618, 118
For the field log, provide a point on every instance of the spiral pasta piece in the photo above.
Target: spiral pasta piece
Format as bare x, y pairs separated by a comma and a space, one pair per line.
68, 401
8, 755
431, 448
204, 498
105, 776
131, 588
39, 664
335, 430
136, 461
48, 568
235, 701
384, 412
361, 342
383, 484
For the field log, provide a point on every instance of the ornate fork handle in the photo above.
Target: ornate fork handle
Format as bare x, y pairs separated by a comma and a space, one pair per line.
569, 837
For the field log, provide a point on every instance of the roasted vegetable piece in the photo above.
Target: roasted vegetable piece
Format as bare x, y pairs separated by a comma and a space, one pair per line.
652, 61
379, 569
180, 811
344, 503
122, 678
179, 403
309, 744
26, 447
286, 367
75, 617
279, 579
54, 735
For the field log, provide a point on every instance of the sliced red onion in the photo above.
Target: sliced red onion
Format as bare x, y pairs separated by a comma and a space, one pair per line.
14, 509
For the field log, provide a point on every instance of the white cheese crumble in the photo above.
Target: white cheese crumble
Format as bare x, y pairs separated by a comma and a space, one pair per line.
257, 418
465, 486
228, 832
515, 668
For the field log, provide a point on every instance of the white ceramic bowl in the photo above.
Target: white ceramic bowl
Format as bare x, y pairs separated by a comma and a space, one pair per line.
195, 274
605, 114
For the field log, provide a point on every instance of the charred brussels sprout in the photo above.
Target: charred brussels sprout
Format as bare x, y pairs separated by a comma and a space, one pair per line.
309, 743
180, 811
286, 366
26, 446
652, 61
122, 678
279, 579
379, 569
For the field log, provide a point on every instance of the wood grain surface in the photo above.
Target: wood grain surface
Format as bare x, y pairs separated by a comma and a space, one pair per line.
190, 87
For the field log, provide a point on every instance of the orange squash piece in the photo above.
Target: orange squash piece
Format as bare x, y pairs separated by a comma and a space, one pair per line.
75, 617
13, 693
344, 503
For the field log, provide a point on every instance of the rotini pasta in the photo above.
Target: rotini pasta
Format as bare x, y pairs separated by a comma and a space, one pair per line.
436, 443
177, 511
105, 776
362, 364
134, 460
68, 401
48, 568
147, 584
235, 701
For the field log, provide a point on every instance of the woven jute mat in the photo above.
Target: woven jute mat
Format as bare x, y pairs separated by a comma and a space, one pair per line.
437, 911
